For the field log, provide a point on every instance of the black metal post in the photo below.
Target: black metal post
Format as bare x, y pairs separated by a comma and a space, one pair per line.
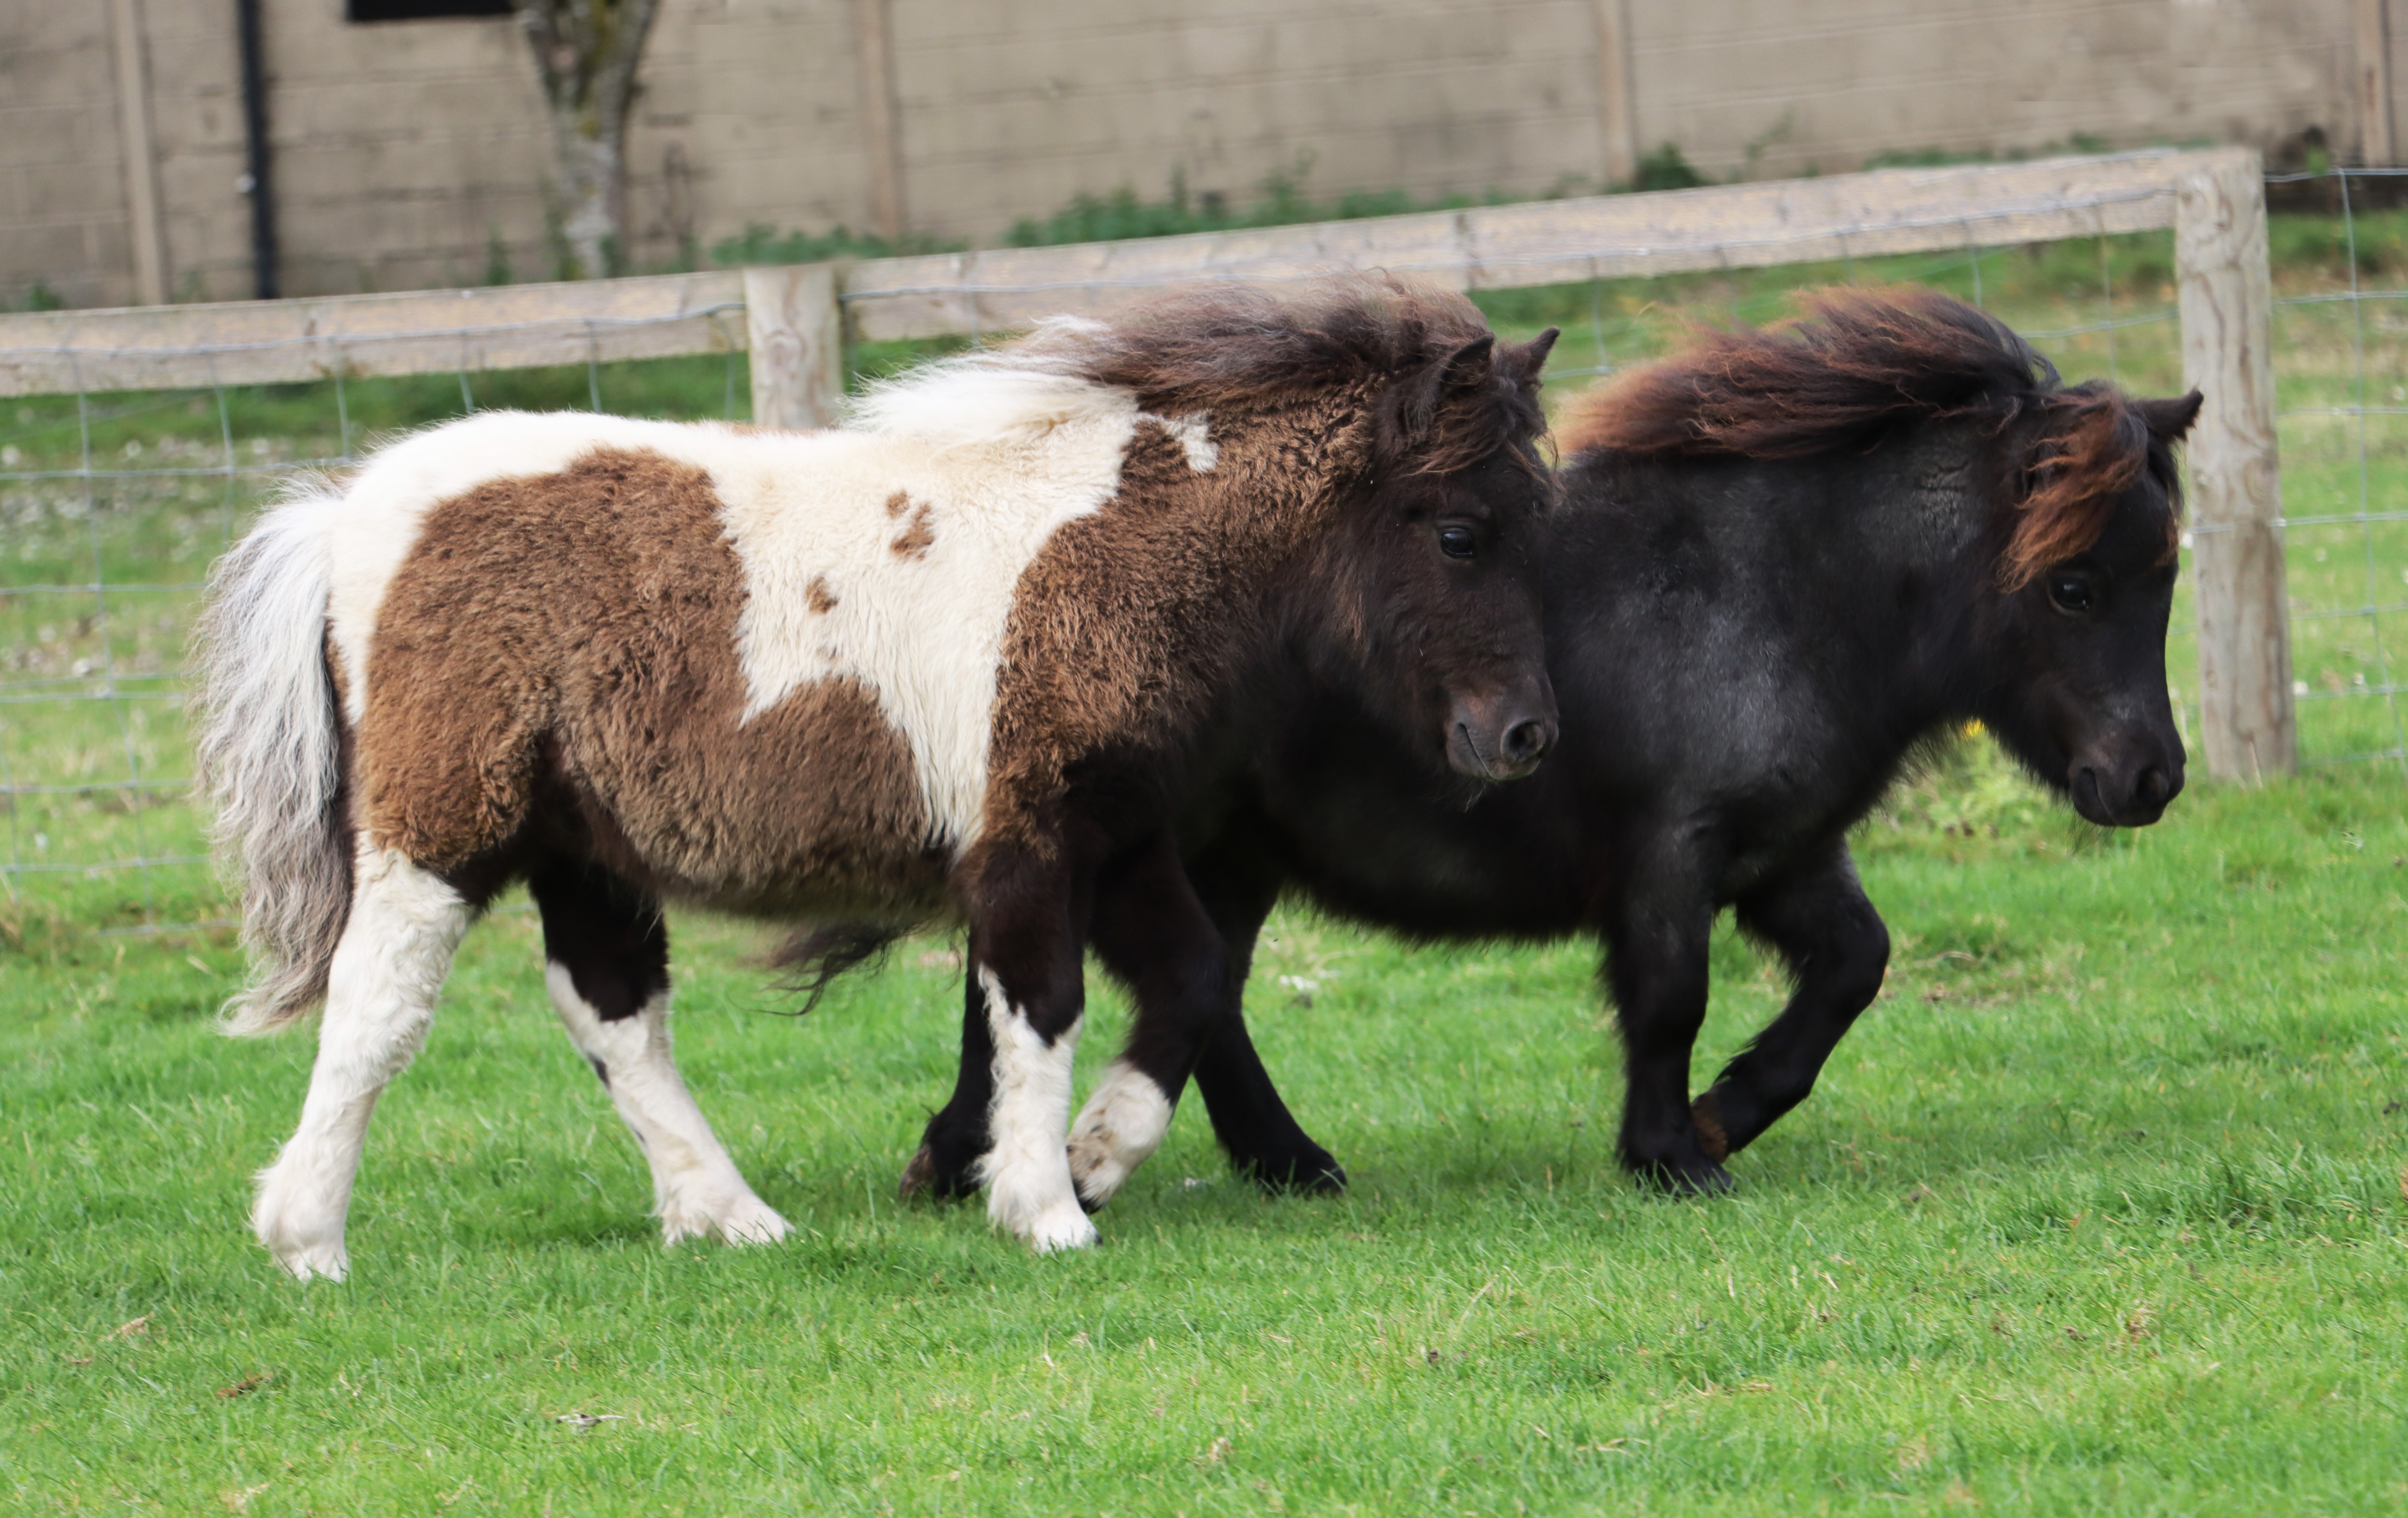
254, 121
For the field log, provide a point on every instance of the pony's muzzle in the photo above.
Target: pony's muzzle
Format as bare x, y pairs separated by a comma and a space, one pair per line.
1501, 739
2126, 790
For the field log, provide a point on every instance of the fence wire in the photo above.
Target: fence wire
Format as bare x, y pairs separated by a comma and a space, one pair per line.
112, 507
2342, 380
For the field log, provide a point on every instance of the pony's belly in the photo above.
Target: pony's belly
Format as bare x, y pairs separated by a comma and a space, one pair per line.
809, 808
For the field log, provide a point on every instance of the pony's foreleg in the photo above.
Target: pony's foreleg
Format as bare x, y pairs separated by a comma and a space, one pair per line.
1261, 1136
382, 987
1836, 946
946, 1164
1024, 961
1156, 938
1656, 964
606, 954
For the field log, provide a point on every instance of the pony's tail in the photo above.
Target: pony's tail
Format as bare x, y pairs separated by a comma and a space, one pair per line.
268, 759
813, 959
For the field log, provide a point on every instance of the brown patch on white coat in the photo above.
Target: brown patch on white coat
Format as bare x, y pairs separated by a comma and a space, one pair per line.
555, 672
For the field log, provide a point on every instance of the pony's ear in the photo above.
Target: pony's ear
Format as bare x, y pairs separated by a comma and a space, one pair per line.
1471, 364
1531, 357
2168, 420
1419, 400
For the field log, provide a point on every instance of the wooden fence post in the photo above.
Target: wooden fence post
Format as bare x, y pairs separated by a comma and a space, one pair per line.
2227, 303
794, 325
882, 114
1617, 105
2375, 143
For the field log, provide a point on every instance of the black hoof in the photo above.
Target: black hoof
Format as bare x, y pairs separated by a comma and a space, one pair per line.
1309, 1173
929, 1177
1706, 1113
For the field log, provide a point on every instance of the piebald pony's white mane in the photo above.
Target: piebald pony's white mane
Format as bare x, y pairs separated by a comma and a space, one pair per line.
1014, 393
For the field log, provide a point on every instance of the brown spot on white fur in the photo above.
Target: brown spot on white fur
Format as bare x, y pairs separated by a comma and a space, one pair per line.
915, 541
822, 598
555, 661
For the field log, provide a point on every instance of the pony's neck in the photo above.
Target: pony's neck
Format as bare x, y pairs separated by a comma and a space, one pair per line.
1916, 514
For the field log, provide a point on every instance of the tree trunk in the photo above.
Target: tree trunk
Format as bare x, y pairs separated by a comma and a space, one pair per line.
586, 53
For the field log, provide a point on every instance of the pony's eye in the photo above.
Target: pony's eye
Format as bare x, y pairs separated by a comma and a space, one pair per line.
1457, 542
2072, 594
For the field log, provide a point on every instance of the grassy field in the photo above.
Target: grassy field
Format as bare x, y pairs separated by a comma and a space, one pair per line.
2103, 1210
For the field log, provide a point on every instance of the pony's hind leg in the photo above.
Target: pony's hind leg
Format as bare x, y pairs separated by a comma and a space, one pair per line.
606, 955
382, 987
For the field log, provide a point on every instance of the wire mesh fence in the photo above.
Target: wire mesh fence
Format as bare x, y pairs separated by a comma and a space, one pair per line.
113, 503
112, 507
2343, 375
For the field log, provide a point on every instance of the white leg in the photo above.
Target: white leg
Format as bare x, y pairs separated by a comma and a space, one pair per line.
1121, 1123
1028, 1172
696, 1189
387, 971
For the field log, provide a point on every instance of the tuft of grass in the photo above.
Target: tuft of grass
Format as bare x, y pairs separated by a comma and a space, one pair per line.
2099, 1211
760, 243
1281, 199
1667, 168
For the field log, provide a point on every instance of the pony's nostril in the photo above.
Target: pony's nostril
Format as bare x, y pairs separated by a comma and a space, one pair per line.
1526, 741
2155, 787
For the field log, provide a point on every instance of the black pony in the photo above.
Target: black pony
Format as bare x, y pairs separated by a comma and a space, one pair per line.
1784, 560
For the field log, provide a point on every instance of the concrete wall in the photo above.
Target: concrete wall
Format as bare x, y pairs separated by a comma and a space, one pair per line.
1010, 106
1779, 87
404, 151
62, 180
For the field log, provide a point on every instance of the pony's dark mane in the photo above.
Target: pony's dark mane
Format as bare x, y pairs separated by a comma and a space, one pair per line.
1857, 362
1233, 344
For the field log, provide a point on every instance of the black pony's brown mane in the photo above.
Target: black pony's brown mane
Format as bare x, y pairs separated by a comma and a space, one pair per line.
1857, 362
1232, 345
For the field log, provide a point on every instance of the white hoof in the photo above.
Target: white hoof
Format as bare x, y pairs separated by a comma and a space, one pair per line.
1046, 1216
1121, 1123
302, 1231
754, 1221
1060, 1228
1096, 1170
732, 1215
316, 1262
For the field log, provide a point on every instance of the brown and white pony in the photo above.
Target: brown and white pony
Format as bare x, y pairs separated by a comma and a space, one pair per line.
963, 656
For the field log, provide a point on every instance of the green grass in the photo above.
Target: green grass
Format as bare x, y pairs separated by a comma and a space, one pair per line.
2101, 1211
